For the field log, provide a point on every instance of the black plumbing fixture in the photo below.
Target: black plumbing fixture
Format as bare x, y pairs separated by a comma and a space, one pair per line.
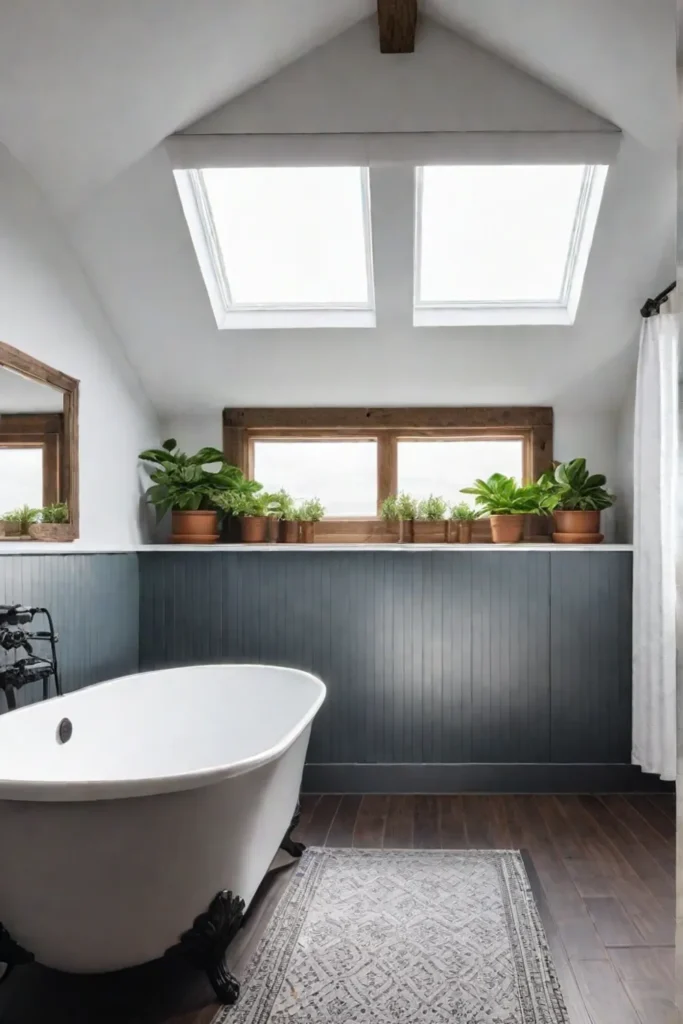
31, 667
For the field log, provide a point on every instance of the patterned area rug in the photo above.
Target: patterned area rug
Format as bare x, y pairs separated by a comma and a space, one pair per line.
387, 936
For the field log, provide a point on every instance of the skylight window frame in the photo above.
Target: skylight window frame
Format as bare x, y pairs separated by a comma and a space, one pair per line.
232, 315
444, 313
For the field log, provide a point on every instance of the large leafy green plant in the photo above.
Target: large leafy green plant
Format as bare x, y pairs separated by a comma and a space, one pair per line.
573, 489
184, 483
502, 496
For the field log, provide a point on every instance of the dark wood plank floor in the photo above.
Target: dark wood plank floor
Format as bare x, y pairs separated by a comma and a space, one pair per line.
602, 869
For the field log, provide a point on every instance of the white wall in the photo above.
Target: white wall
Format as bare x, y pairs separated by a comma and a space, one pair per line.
593, 436
48, 310
194, 432
625, 428
448, 85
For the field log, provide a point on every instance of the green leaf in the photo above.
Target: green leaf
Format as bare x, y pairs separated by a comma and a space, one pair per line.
159, 455
170, 444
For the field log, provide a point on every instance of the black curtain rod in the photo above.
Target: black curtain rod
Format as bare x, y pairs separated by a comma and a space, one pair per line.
652, 306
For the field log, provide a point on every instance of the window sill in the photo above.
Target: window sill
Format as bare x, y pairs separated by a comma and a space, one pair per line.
408, 549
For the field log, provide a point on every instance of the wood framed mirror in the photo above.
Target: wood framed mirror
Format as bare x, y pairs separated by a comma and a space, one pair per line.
38, 447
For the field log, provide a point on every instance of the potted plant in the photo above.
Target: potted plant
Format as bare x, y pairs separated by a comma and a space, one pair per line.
578, 498
506, 503
309, 513
53, 523
286, 526
429, 526
400, 511
290, 527
18, 522
184, 486
253, 509
460, 524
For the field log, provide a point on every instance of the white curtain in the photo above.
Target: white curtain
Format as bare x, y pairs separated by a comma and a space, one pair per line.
655, 468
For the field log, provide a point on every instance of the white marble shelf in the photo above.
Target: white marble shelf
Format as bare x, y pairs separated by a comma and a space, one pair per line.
37, 548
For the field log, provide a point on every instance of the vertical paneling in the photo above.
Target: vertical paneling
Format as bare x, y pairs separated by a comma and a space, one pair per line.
94, 602
590, 675
428, 657
510, 657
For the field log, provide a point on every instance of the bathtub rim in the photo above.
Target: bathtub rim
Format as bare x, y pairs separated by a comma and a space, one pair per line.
78, 791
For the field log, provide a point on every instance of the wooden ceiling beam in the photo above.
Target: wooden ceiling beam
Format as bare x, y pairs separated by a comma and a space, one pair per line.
397, 21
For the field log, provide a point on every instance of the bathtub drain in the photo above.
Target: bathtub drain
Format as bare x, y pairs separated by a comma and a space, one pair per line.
64, 730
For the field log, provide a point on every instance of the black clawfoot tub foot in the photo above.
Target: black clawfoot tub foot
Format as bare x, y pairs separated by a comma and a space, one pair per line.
288, 844
11, 954
204, 945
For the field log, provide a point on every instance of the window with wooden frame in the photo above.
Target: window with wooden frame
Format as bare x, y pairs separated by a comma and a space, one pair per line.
352, 459
31, 461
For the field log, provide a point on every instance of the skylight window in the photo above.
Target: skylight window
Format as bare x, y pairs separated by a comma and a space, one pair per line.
503, 244
283, 246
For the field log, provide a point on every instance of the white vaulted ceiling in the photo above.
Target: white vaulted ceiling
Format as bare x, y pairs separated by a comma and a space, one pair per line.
87, 87
88, 91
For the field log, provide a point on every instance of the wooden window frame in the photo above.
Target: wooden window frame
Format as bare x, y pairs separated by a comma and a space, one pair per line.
532, 425
67, 453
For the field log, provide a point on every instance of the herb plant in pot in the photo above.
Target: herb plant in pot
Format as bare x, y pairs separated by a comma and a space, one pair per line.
430, 523
290, 527
578, 497
506, 504
254, 510
463, 517
286, 526
309, 513
18, 522
184, 486
406, 512
53, 524
398, 512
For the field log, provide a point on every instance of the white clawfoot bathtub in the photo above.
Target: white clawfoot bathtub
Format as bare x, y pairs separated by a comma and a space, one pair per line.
174, 786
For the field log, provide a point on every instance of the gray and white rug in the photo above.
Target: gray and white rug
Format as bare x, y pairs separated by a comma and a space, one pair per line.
387, 936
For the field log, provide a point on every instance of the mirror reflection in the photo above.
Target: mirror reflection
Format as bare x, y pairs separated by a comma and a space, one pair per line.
31, 443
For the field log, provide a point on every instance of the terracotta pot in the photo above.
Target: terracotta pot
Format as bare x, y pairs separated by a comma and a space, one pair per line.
507, 529
11, 529
578, 538
577, 522
254, 529
50, 531
429, 531
405, 531
307, 535
465, 531
289, 532
194, 527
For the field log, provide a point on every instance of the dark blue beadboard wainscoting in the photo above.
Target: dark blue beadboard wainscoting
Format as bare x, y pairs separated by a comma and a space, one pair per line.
446, 670
95, 605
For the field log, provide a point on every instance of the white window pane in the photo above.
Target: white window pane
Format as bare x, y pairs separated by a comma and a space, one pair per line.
497, 233
343, 474
291, 235
444, 467
21, 478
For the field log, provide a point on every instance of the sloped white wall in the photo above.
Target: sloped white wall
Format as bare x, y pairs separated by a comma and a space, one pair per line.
48, 310
448, 85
